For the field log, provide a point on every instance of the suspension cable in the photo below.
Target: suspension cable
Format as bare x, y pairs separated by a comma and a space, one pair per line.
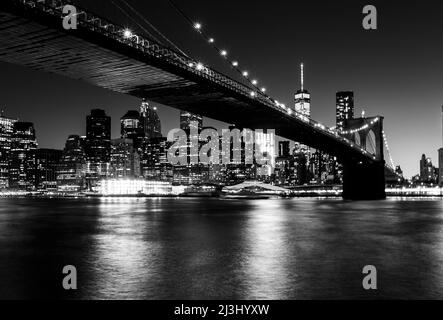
135, 22
232, 64
146, 21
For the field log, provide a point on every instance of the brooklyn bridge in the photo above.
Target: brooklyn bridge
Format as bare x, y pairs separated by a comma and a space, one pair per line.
104, 54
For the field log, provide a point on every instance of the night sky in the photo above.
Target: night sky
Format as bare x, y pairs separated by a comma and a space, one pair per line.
395, 71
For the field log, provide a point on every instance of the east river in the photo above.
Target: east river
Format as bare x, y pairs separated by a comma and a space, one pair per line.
166, 248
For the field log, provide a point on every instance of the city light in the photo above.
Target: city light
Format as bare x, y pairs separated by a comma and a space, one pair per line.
254, 82
235, 63
245, 73
127, 33
199, 66
211, 40
224, 53
197, 26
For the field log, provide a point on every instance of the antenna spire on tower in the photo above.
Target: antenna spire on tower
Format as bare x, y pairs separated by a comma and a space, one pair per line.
302, 77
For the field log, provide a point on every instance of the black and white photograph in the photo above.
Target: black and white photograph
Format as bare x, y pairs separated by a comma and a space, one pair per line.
245, 152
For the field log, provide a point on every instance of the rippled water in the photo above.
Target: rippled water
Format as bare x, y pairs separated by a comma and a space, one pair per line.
220, 249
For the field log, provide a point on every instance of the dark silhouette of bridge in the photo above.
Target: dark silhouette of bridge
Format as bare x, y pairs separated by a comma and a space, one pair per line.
103, 54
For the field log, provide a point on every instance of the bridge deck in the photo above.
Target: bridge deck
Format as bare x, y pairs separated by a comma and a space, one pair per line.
36, 39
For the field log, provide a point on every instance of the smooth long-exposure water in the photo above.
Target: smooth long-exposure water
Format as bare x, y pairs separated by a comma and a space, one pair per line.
163, 248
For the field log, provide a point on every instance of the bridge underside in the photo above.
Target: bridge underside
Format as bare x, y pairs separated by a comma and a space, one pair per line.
40, 43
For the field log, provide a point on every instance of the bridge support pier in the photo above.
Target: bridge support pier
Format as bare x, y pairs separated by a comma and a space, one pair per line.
364, 181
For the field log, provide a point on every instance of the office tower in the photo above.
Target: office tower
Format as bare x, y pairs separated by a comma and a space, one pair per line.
72, 171
154, 163
427, 171
6, 130
47, 165
98, 142
130, 126
190, 121
440, 157
284, 149
125, 160
22, 157
303, 100
150, 124
265, 149
194, 172
345, 108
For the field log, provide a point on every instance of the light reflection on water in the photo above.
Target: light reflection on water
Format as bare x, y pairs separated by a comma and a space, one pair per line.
163, 248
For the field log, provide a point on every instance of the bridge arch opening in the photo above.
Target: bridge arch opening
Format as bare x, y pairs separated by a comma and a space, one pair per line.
371, 142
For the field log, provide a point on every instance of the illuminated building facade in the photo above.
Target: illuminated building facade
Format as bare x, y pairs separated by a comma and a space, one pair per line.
344, 108
22, 157
98, 143
303, 100
265, 149
440, 158
136, 187
154, 162
47, 165
130, 126
440, 171
428, 173
6, 130
71, 176
150, 124
125, 160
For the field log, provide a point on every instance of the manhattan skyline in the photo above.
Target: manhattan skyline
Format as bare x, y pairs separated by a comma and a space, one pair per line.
394, 71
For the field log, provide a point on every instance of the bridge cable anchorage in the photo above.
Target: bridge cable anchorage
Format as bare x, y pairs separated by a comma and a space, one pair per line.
146, 21
233, 64
385, 139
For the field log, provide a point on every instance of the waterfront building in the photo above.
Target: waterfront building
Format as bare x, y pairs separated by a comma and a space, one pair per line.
427, 171
47, 166
22, 156
440, 171
98, 144
125, 160
6, 130
440, 157
72, 172
136, 187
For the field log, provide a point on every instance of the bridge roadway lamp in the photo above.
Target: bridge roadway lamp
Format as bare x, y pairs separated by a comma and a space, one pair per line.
127, 34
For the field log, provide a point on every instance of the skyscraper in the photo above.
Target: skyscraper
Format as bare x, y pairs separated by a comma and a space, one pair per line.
125, 160
22, 157
345, 108
440, 157
6, 130
47, 165
130, 126
72, 171
150, 124
98, 142
303, 100
284, 149
427, 170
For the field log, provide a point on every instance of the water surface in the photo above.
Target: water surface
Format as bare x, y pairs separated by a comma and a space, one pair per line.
220, 249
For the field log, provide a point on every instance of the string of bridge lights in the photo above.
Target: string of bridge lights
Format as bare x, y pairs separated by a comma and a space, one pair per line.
198, 27
387, 148
362, 128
